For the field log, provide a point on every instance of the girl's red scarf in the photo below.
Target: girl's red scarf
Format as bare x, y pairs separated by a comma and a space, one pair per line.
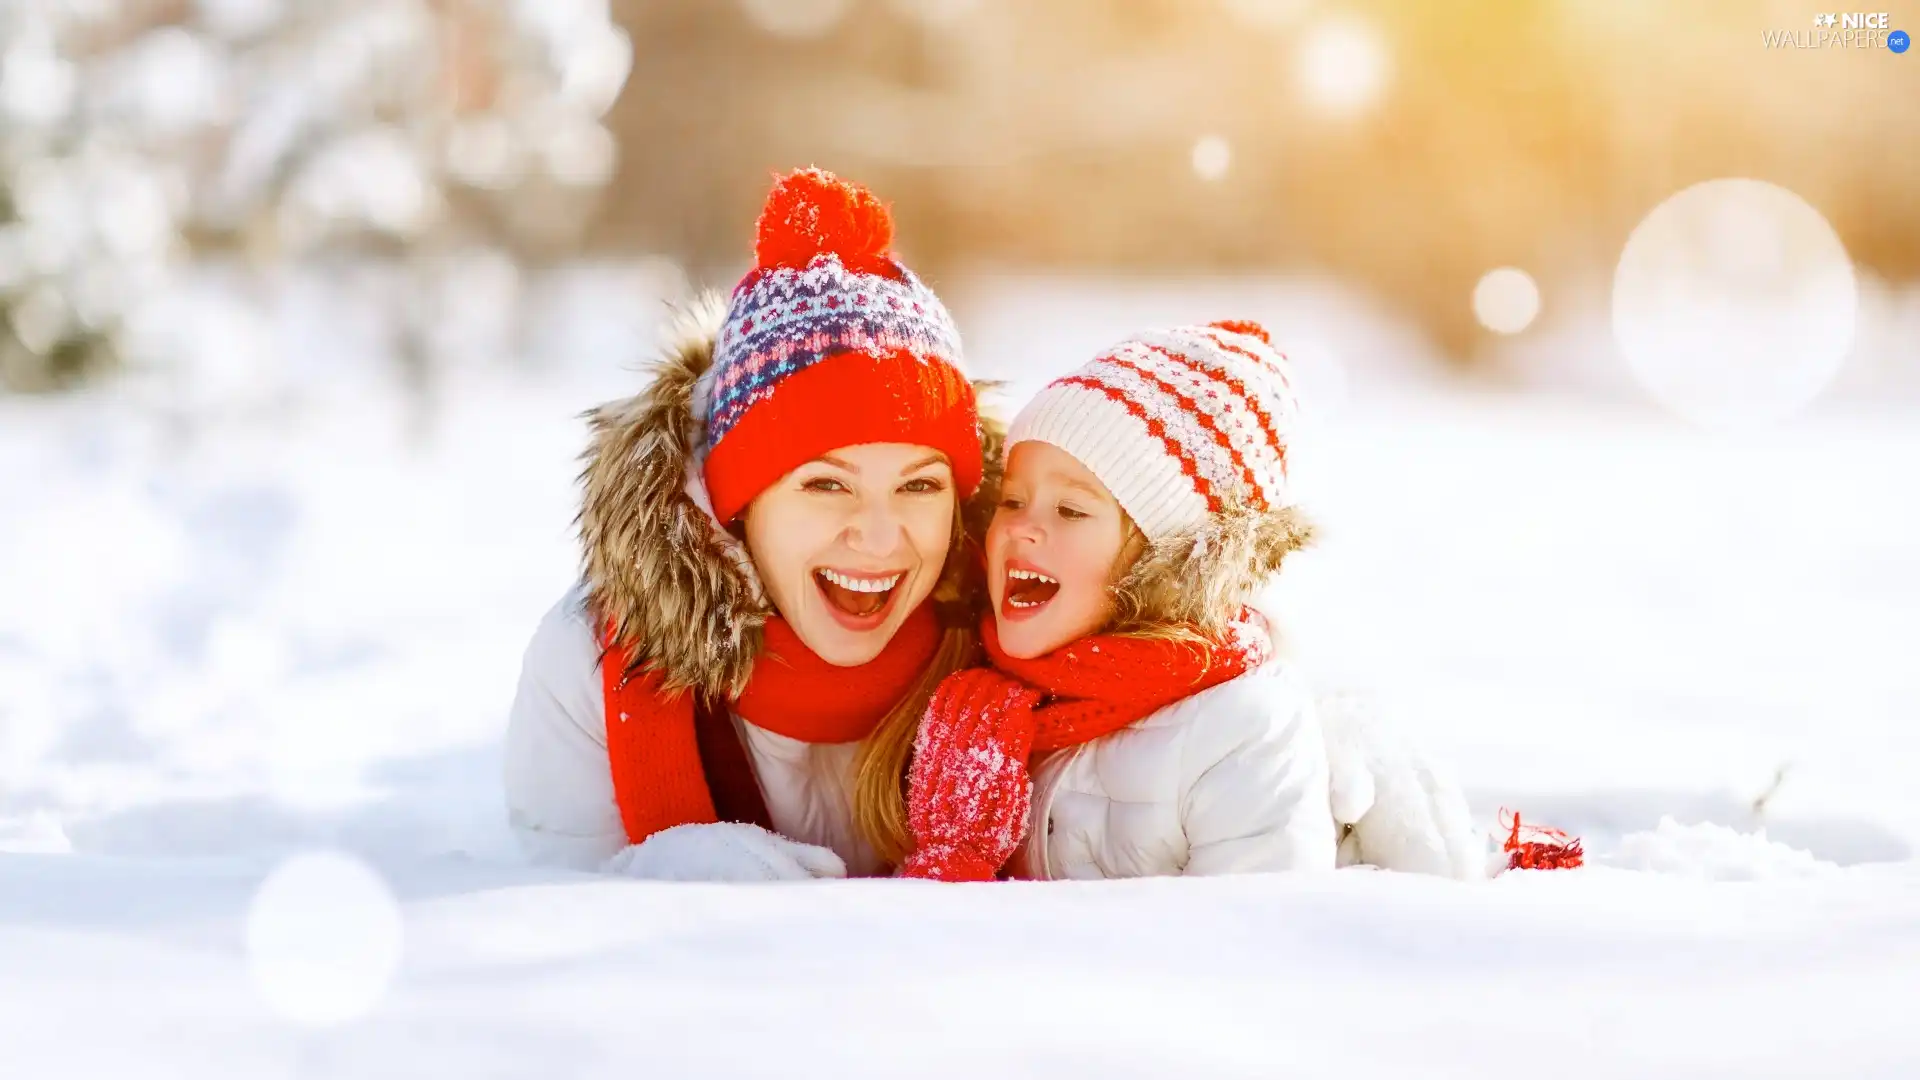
1101, 683
657, 776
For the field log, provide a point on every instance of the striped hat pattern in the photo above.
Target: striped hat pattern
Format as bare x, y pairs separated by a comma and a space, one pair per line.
1178, 424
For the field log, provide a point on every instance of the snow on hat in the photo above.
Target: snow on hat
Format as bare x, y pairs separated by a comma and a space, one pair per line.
1178, 424
829, 341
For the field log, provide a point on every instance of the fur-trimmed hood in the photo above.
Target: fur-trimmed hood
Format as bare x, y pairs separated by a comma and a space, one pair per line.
675, 586
1204, 575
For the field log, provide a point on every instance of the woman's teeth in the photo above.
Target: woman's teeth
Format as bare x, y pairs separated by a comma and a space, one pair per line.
862, 585
857, 596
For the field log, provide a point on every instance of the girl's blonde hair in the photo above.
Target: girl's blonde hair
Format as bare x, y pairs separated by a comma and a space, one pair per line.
1189, 586
880, 771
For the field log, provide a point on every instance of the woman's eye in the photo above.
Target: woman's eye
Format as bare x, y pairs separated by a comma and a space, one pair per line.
925, 485
823, 483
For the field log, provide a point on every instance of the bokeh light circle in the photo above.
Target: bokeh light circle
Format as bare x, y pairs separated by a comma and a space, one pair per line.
1342, 65
1734, 303
1212, 157
796, 18
1506, 300
324, 937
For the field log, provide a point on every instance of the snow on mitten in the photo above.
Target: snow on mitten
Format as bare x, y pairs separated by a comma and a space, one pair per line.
724, 851
968, 793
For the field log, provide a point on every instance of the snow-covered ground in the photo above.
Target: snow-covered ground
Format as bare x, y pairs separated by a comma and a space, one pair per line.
299, 634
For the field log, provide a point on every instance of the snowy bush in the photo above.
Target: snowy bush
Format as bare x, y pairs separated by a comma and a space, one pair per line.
449, 142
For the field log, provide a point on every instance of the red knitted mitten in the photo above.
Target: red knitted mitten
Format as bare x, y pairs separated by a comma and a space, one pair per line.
1536, 847
968, 793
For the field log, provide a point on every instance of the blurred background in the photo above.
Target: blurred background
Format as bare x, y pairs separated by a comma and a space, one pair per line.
176, 175
1608, 315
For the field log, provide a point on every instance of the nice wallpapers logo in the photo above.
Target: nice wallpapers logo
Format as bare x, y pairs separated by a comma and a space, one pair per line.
1842, 30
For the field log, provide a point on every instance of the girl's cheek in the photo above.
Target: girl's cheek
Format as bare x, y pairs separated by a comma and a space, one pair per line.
1088, 568
997, 532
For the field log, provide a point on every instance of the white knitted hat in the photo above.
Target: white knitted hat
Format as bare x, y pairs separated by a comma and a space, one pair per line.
1178, 424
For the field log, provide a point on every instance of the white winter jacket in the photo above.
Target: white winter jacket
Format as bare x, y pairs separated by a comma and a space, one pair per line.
1232, 780
559, 784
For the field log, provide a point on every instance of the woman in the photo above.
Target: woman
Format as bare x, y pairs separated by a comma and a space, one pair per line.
773, 574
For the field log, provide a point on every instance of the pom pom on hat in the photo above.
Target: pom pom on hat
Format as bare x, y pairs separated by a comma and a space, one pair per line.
829, 341
1243, 326
811, 212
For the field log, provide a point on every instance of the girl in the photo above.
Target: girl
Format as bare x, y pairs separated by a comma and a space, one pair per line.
1144, 503
769, 533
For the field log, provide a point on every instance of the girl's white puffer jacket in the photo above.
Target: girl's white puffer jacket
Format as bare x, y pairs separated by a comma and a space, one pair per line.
1232, 780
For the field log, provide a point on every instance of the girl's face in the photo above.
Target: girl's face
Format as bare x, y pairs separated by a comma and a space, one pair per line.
1057, 542
850, 543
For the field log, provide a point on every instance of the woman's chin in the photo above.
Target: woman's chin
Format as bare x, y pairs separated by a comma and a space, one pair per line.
844, 640
838, 645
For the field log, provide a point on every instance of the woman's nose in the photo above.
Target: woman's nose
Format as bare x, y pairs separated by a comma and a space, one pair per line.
875, 529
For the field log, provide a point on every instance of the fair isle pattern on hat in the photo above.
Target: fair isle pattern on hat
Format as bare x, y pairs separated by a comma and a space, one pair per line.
1178, 424
830, 342
782, 321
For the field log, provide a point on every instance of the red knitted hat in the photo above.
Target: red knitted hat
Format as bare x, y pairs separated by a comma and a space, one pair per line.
829, 342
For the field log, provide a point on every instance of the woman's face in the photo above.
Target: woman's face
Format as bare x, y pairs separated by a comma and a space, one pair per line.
850, 543
1057, 541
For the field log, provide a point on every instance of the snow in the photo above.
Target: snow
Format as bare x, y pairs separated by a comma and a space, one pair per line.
1714, 852
1603, 973
289, 630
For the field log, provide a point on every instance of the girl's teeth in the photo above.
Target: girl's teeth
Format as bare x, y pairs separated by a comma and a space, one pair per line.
865, 585
1029, 575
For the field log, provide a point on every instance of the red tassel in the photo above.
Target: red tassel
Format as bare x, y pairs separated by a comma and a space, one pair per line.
1536, 847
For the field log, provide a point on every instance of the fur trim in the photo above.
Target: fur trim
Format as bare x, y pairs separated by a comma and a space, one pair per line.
658, 566
678, 589
978, 513
1201, 576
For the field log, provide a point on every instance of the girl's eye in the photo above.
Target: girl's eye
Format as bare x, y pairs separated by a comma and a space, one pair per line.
1070, 513
823, 483
925, 485
1011, 503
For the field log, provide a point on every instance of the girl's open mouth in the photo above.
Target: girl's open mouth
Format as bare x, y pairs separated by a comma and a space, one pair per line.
1027, 591
858, 601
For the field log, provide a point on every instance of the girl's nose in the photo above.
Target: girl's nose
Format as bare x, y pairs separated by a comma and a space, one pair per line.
1021, 526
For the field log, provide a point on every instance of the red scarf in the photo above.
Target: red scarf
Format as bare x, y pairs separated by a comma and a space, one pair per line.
657, 776
1103, 682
